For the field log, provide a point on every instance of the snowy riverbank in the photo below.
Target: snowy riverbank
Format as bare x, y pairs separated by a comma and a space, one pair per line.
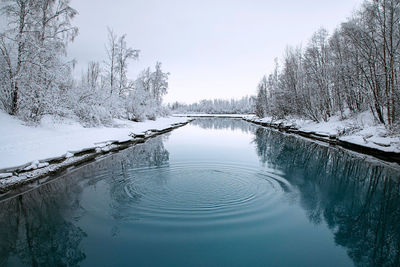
21, 144
206, 115
32, 154
359, 133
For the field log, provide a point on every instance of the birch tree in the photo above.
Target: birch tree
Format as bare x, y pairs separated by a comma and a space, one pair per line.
14, 50
33, 46
159, 80
353, 70
117, 61
124, 54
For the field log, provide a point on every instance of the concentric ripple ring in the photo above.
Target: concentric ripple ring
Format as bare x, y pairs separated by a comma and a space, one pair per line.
198, 194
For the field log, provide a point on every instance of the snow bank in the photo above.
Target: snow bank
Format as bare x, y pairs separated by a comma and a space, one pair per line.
239, 116
21, 144
360, 130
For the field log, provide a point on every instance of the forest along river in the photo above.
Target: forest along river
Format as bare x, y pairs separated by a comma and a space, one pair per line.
217, 192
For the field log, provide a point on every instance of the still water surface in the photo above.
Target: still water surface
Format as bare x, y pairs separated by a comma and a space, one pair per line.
217, 192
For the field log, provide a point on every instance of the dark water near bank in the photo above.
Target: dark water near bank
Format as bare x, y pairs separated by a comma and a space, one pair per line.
217, 192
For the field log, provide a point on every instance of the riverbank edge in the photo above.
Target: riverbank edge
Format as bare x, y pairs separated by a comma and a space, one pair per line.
333, 140
21, 176
222, 116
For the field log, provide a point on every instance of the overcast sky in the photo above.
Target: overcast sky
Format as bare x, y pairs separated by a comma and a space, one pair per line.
212, 48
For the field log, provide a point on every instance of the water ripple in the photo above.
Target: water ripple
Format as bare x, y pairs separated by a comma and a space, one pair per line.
200, 194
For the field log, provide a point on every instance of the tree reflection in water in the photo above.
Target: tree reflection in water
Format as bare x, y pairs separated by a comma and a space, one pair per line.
39, 228
123, 186
218, 124
33, 229
359, 200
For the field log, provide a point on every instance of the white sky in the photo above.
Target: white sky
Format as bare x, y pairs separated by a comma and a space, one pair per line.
212, 48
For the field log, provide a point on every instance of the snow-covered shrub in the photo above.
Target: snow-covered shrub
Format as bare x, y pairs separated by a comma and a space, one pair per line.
93, 115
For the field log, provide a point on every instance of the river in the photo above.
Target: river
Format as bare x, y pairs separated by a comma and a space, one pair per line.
217, 192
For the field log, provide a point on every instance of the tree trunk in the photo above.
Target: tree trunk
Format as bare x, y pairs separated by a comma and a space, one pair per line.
14, 107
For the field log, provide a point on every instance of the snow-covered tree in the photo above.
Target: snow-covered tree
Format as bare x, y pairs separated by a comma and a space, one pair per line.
33, 46
145, 100
245, 105
159, 81
36, 79
124, 53
117, 61
355, 69
14, 48
262, 98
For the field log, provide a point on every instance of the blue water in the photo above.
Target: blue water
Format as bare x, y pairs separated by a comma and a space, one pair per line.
217, 192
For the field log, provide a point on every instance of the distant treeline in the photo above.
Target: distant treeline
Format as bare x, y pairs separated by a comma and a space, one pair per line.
245, 105
36, 77
354, 69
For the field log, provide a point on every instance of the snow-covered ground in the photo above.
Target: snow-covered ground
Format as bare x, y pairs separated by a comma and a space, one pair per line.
210, 115
360, 130
21, 144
